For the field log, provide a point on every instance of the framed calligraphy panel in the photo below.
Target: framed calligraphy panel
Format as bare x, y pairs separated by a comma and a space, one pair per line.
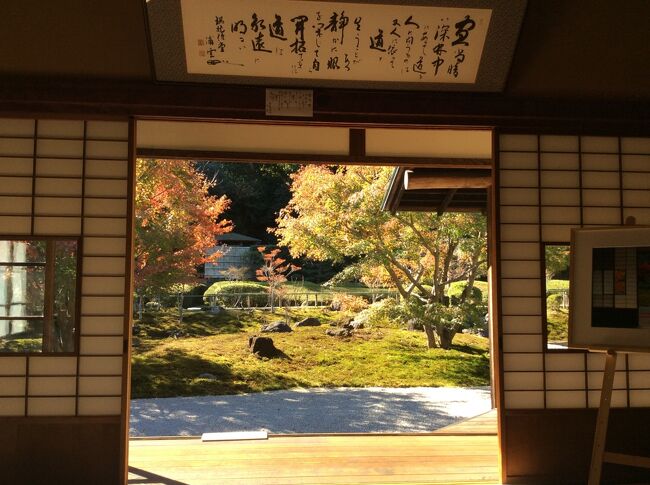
335, 43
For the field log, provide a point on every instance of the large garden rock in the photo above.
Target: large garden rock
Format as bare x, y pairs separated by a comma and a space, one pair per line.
276, 327
308, 322
338, 332
263, 347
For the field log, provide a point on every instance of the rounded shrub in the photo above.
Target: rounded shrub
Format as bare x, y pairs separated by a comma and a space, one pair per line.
229, 293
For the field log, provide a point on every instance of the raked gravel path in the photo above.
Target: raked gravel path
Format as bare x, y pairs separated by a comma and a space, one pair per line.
338, 410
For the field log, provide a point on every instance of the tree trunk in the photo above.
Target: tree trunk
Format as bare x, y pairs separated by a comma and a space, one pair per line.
431, 335
446, 335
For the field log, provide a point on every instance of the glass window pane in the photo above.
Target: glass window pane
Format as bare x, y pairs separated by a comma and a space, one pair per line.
22, 291
22, 251
21, 335
557, 296
65, 295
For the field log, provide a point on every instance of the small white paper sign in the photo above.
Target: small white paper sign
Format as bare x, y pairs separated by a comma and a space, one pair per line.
290, 102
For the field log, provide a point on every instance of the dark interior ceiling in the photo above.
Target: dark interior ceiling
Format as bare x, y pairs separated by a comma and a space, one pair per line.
583, 49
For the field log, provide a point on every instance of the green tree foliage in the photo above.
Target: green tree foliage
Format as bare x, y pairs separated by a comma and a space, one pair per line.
335, 213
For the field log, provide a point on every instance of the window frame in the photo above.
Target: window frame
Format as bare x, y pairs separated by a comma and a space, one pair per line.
542, 275
48, 301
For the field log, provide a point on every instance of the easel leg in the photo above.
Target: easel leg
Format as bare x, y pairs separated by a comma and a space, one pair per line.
603, 418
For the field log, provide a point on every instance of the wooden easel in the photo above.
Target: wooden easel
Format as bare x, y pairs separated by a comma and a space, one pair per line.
599, 455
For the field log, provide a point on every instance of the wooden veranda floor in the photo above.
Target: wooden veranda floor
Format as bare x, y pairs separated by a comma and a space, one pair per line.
435, 458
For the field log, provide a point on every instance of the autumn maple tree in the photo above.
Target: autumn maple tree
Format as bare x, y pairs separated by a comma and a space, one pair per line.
274, 271
335, 213
176, 221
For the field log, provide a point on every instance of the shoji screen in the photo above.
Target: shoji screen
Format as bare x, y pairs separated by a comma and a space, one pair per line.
70, 178
549, 184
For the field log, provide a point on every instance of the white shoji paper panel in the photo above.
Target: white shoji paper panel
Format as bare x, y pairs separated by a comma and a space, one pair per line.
558, 143
51, 406
565, 399
561, 215
100, 386
108, 130
99, 406
105, 226
13, 366
640, 380
639, 163
600, 162
525, 215
18, 147
16, 127
100, 365
108, 246
520, 287
520, 269
52, 366
518, 143
107, 168
599, 144
524, 399
518, 197
18, 206
518, 178
57, 226
105, 207
636, 181
559, 161
58, 186
567, 362
601, 197
638, 399
104, 265
601, 215
16, 166
60, 148
523, 362
519, 232
560, 179
101, 345
596, 362
521, 305
600, 180
108, 285
15, 225
595, 380
12, 406
12, 386
512, 160
521, 324
639, 361
57, 206
107, 149
635, 198
635, 145
102, 305
520, 250
565, 380
106, 188
619, 399
64, 167
522, 343
102, 325
52, 386
523, 381
16, 186
556, 233
60, 129
561, 197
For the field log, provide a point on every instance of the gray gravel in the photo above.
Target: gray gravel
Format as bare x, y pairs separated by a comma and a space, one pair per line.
339, 410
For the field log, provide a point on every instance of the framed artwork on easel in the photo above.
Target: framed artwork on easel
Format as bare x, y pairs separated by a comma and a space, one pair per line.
610, 289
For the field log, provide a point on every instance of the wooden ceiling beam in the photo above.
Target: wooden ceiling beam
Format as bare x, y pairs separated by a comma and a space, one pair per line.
447, 179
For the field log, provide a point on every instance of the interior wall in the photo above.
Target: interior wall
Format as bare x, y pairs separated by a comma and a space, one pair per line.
547, 186
69, 178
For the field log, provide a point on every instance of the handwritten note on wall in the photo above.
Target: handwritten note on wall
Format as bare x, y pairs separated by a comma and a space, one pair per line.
333, 40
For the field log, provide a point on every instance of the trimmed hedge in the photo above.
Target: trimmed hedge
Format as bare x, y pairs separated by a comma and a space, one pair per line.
227, 293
